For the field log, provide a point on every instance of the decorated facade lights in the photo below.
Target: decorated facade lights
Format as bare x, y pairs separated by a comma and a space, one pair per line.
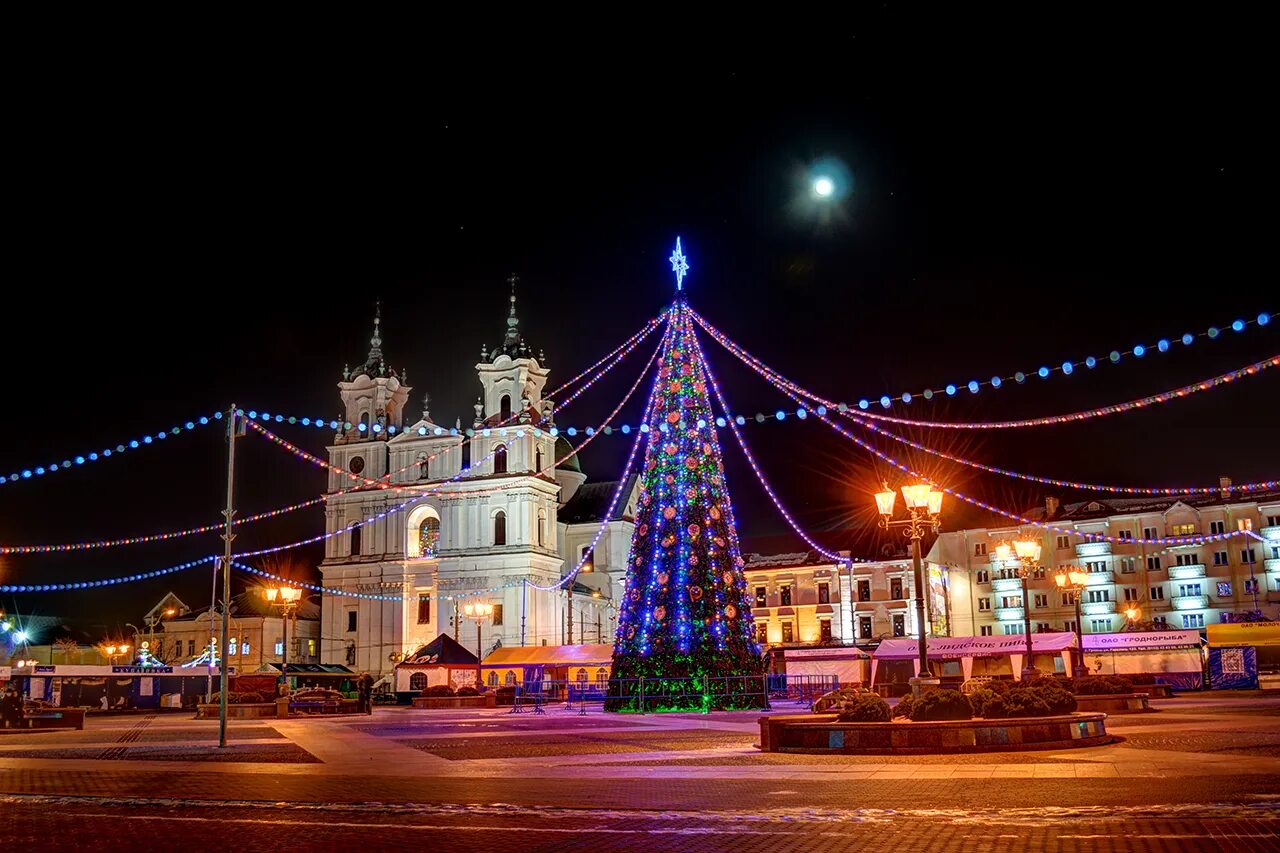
368, 596
95, 584
1067, 368
479, 612
924, 516
1072, 580
1026, 549
108, 452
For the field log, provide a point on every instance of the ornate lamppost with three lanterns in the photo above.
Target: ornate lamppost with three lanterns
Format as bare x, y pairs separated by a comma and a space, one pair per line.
924, 509
1027, 550
1072, 580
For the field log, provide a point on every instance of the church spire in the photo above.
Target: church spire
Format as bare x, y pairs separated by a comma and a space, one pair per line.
512, 339
375, 342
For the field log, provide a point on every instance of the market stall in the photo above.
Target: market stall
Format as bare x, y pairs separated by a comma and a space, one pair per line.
442, 661
980, 656
846, 663
1173, 657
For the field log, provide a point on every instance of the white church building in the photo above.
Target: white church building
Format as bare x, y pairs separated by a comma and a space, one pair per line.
500, 518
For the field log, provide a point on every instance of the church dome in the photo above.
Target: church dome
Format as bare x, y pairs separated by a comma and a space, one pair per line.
563, 449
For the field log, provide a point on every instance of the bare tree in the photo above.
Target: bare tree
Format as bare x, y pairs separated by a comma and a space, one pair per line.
67, 647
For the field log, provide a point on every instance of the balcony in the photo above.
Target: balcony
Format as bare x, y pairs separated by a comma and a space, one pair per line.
1009, 614
1272, 565
1271, 534
1186, 572
1190, 602
1093, 549
1006, 584
1100, 578
1097, 608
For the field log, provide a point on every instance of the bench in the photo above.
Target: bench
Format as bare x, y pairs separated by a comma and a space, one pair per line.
54, 718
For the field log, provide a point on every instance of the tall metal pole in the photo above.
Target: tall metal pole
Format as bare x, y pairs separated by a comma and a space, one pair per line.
227, 537
569, 612
1029, 666
1079, 634
524, 588
479, 648
916, 536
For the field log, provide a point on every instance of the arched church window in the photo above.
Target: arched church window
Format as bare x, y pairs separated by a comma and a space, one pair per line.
542, 527
537, 461
355, 541
500, 528
429, 537
424, 466
364, 422
504, 408
500, 459
418, 681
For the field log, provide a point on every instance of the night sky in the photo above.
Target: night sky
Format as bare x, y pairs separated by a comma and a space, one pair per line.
183, 236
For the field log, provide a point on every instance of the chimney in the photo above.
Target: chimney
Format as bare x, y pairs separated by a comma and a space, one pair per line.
1225, 483
1051, 505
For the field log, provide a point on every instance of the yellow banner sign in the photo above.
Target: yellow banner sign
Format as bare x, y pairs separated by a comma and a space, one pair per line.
1244, 634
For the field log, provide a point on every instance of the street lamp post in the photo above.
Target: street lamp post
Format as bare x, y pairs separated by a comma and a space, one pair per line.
924, 506
1027, 549
286, 598
480, 611
1131, 614
1072, 581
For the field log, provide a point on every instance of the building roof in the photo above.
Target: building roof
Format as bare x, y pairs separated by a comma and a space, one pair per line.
1108, 506
248, 604
591, 502
585, 654
309, 668
442, 651
563, 450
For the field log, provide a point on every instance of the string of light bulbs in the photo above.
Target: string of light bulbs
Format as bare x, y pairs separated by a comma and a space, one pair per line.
76, 585
727, 420
108, 452
1066, 368
423, 495
1018, 517
370, 596
660, 355
1178, 393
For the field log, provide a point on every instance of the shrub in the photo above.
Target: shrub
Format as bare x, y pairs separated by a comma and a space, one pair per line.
865, 708
467, 691
1023, 702
903, 708
438, 690
939, 705
1100, 685
1058, 699
987, 704
249, 697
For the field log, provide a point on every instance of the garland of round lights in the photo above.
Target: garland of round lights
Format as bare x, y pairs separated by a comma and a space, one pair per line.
366, 595
614, 359
154, 537
74, 585
95, 456
1186, 390
751, 460
1021, 519
660, 354
1067, 368
422, 495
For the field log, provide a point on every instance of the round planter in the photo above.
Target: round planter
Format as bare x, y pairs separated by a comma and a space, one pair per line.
1113, 703
824, 734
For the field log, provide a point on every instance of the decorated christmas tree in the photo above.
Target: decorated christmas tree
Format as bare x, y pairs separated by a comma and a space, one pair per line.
685, 634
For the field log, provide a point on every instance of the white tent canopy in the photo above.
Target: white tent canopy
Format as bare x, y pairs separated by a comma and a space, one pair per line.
967, 648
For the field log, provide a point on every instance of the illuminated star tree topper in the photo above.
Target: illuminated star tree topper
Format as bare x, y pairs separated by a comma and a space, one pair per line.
679, 265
